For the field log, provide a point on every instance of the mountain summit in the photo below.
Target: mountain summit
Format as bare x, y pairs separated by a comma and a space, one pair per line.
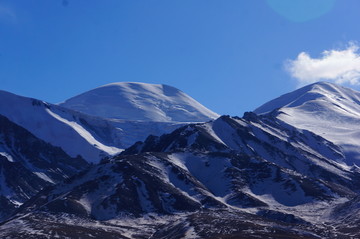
140, 101
327, 109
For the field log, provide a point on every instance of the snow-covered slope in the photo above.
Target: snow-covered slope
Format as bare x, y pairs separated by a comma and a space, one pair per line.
140, 101
28, 164
326, 109
77, 134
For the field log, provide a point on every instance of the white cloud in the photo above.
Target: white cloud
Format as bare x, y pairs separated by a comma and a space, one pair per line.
339, 66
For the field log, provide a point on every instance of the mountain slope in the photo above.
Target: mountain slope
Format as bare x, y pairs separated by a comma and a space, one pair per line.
173, 183
260, 136
179, 195
326, 109
28, 164
140, 101
77, 134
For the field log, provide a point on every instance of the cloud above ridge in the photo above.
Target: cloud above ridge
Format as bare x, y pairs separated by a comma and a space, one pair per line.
339, 66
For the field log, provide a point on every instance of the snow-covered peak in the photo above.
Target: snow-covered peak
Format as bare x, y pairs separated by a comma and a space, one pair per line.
326, 109
320, 91
140, 101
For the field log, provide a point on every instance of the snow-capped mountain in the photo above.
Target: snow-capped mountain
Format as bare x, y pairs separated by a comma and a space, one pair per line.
326, 109
257, 169
140, 101
28, 164
280, 173
81, 136
77, 134
139, 109
113, 117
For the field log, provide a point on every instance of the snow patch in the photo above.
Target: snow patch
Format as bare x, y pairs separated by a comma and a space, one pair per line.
8, 156
44, 177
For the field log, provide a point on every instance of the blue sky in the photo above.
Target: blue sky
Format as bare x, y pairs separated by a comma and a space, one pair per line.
232, 55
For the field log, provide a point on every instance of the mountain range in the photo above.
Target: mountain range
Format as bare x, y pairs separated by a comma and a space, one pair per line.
136, 160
